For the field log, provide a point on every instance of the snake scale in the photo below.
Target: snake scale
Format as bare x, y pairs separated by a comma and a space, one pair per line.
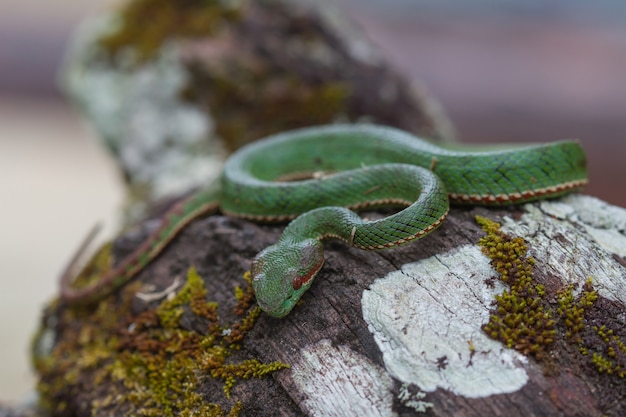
371, 166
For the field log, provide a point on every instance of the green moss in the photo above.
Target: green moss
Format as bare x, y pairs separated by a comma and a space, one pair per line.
151, 363
193, 294
603, 364
610, 357
245, 297
572, 309
145, 25
247, 369
521, 318
608, 354
524, 319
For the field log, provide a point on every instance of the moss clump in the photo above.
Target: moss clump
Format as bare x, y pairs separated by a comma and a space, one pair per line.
608, 351
521, 319
572, 309
524, 319
193, 295
151, 364
610, 358
147, 24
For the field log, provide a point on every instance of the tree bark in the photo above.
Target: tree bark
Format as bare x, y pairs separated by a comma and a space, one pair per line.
401, 332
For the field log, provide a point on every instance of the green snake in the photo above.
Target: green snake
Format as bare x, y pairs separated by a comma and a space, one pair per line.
357, 166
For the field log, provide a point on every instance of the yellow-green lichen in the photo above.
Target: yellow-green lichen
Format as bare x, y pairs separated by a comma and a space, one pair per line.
521, 319
153, 363
145, 25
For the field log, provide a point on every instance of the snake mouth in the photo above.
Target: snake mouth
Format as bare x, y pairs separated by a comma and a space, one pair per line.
301, 280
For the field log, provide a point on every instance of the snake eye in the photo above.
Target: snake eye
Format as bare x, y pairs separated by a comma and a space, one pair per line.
300, 280
297, 282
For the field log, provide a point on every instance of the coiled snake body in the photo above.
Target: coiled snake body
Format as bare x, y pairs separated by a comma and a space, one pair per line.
371, 166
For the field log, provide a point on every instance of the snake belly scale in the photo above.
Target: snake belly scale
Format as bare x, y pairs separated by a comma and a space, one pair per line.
371, 166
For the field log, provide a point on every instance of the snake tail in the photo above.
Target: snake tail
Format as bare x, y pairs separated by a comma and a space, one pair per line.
180, 215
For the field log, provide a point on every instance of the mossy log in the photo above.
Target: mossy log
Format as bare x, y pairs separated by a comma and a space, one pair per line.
501, 312
522, 315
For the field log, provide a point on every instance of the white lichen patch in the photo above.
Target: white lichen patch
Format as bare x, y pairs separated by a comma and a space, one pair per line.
604, 222
413, 400
426, 319
337, 382
161, 141
574, 239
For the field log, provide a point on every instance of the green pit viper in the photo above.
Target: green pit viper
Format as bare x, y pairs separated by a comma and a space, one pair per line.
371, 166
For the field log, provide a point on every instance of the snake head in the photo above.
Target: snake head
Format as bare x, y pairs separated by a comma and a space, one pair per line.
281, 273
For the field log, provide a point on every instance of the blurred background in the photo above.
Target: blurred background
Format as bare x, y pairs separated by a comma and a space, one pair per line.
504, 70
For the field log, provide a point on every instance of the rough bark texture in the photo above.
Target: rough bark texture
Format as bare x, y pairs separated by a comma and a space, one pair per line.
290, 64
398, 332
